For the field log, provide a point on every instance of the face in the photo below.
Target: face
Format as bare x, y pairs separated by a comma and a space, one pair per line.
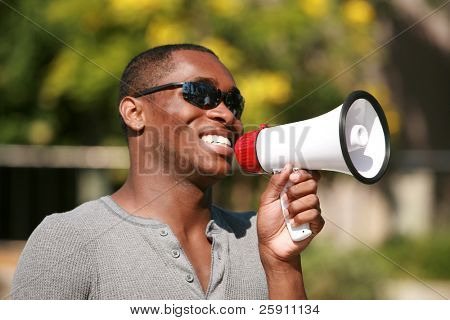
193, 142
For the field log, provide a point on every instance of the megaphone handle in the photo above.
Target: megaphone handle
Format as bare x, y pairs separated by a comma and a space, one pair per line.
297, 233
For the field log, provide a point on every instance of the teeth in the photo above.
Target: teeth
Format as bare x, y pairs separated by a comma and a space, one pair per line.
213, 139
223, 140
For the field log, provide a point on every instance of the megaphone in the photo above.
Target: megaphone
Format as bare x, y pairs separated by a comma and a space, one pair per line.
352, 138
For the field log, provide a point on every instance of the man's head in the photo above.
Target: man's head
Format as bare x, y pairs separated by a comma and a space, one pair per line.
167, 133
148, 67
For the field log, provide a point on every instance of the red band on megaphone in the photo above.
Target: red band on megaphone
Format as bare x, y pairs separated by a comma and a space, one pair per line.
245, 150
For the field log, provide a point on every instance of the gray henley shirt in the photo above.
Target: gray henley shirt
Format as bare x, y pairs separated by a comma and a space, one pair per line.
99, 251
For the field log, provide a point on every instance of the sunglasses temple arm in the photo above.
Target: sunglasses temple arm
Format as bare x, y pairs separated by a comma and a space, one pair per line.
158, 88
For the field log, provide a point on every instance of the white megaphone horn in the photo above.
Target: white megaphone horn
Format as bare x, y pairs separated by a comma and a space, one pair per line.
352, 138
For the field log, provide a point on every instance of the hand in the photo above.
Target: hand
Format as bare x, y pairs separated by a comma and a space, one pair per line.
275, 243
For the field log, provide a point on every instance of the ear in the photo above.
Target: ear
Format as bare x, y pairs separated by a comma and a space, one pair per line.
132, 113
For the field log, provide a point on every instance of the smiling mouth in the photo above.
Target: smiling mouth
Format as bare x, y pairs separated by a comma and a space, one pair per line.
217, 140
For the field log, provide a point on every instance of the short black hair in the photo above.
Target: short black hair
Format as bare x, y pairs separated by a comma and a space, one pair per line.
145, 69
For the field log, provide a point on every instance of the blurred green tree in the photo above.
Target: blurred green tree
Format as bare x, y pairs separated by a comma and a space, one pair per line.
60, 66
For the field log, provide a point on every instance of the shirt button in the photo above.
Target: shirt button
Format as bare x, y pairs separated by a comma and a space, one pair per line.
163, 232
175, 253
189, 278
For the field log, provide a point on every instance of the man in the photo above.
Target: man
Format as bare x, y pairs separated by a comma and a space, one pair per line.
159, 236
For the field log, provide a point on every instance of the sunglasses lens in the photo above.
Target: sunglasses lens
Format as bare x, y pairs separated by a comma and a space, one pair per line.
201, 94
206, 96
235, 102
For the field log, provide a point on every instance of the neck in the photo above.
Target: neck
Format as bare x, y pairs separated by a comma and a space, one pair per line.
173, 200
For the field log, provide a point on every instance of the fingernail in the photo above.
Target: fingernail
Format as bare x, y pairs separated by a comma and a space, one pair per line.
286, 166
295, 177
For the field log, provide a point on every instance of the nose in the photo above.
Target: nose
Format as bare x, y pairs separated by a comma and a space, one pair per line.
221, 114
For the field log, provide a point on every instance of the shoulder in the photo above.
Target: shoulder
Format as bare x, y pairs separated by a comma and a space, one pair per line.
56, 262
77, 224
84, 214
70, 224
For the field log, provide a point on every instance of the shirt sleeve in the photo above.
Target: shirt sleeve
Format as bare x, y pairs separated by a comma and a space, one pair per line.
55, 263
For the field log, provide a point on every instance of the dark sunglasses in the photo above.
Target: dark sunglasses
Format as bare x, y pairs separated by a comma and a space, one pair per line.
203, 95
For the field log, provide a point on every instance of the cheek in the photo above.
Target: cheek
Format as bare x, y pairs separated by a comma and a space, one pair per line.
174, 128
183, 112
239, 127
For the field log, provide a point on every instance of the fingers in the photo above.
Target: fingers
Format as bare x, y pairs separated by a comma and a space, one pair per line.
276, 185
305, 184
311, 216
311, 201
307, 216
300, 176
316, 225
306, 210
306, 174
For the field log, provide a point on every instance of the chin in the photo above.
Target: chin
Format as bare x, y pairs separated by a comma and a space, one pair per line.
214, 171
217, 172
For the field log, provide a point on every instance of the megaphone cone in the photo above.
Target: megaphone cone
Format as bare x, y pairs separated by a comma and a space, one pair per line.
352, 138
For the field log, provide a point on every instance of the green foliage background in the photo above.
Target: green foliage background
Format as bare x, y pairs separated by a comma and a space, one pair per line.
61, 60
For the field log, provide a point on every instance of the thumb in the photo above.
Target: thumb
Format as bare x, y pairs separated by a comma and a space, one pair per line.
276, 185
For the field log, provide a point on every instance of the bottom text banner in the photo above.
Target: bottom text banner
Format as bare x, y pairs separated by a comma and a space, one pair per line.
241, 309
